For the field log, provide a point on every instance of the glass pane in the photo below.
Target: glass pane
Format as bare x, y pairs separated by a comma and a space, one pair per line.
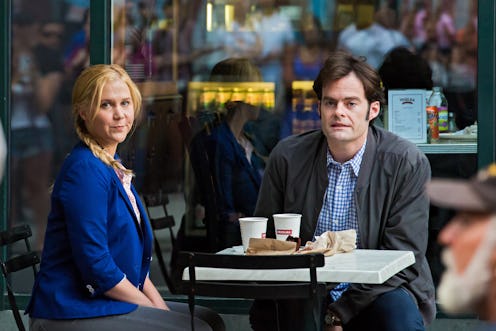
170, 48
142, 43
49, 49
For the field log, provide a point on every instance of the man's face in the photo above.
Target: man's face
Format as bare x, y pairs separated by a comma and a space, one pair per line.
345, 113
463, 235
470, 241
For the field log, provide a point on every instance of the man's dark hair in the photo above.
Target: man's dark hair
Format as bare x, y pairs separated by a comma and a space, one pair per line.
340, 64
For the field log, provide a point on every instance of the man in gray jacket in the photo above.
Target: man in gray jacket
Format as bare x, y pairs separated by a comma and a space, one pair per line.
351, 174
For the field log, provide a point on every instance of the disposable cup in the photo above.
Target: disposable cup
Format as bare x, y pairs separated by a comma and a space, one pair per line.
287, 225
252, 227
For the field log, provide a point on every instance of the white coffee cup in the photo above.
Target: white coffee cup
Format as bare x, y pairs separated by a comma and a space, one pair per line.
287, 225
252, 227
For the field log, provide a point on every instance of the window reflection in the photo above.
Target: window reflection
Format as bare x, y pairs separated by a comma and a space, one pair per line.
37, 77
167, 44
49, 48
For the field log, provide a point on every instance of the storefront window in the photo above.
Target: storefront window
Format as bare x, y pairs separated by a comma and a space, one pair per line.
170, 47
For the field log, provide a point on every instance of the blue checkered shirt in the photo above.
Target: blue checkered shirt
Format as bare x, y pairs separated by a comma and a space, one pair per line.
338, 211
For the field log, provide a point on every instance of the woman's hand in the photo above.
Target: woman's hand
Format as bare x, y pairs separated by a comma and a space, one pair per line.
127, 292
152, 293
150, 297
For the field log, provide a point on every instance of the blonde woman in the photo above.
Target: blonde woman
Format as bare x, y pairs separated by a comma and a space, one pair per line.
95, 265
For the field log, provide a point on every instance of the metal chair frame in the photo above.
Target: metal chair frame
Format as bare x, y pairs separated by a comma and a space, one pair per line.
251, 290
27, 259
161, 200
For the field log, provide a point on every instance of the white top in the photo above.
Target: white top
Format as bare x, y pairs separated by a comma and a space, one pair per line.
365, 266
125, 179
373, 42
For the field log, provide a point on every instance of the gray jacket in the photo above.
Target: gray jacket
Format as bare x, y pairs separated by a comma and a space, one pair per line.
392, 207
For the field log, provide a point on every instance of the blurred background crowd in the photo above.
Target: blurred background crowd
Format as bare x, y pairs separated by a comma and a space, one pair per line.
174, 42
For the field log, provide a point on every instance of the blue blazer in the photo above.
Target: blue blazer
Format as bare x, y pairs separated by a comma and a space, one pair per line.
237, 181
93, 240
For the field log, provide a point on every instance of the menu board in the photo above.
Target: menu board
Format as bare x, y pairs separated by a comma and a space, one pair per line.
406, 114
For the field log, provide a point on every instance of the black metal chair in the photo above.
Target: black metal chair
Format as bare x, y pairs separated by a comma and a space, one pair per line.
26, 259
204, 183
252, 290
156, 207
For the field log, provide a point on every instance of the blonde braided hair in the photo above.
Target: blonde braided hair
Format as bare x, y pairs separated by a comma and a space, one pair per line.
87, 95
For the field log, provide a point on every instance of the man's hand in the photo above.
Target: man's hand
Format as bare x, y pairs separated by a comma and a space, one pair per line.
333, 328
332, 322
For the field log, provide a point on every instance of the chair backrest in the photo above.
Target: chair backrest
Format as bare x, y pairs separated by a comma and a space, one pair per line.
251, 290
26, 259
156, 207
201, 164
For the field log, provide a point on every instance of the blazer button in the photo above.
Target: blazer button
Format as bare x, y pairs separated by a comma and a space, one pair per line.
90, 289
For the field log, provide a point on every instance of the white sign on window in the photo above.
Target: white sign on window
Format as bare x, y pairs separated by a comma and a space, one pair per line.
406, 114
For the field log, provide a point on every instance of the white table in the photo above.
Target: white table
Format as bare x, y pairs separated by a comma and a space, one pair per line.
359, 266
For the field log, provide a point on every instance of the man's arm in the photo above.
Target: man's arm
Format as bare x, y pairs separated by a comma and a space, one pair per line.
405, 228
48, 88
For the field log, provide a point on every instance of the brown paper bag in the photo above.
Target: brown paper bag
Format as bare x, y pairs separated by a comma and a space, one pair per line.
269, 246
330, 243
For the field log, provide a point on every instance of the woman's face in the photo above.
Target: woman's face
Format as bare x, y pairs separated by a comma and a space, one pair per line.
251, 111
115, 116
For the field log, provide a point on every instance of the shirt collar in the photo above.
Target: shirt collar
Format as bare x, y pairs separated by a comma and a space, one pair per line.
355, 162
124, 177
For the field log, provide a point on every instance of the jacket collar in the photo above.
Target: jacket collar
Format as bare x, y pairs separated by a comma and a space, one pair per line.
240, 154
129, 206
368, 159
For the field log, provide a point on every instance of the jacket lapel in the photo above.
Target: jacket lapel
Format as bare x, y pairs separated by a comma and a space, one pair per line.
368, 160
129, 206
240, 154
146, 228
